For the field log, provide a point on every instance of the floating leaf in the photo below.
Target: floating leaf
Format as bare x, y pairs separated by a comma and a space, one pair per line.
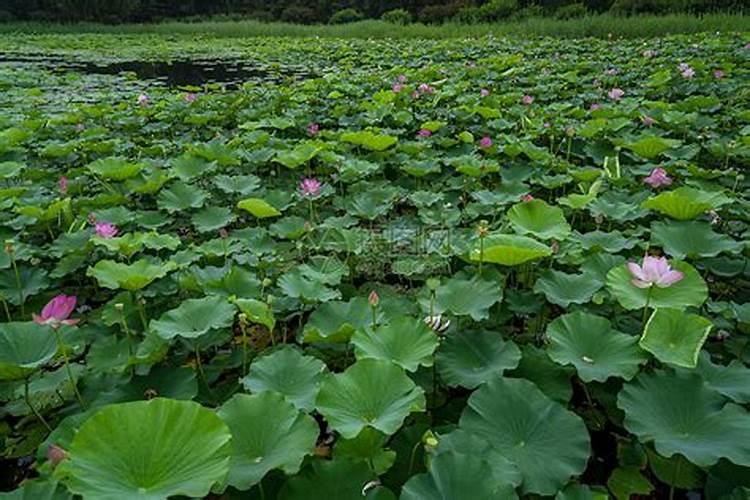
470, 358
651, 146
148, 449
692, 239
597, 351
675, 337
564, 289
370, 393
132, 277
452, 476
369, 140
509, 250
24, 347
258, 208
336, 321
298, 156
468, 296
548, 443
194, 318
540, 219
681, 415
115, 169
288, 372
405, 341
685, 203
278, 437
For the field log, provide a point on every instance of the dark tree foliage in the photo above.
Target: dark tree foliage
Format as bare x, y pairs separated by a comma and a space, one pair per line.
315, 11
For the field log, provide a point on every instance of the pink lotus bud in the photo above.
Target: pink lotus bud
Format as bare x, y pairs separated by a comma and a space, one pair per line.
527, 99
55, 455
62, 184
485, 142
373, 299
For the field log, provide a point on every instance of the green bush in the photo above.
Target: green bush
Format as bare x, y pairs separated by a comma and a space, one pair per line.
495, 10
527, 13
344, 16
468, 15
433, 14
571, 11
397, 16
299, 15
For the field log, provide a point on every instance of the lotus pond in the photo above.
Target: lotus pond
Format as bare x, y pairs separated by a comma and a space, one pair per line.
465, 269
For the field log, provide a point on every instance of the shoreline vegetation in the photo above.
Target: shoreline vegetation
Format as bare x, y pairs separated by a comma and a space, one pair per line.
599, 26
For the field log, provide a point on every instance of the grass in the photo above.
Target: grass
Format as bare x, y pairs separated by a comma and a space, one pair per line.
601, 26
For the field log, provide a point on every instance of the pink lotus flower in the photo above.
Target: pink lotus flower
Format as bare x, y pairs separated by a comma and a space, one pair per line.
190, 97
62, 185
686, 71
313, 128
485, 142
373, 299
55, 455
143, 100
615, 94
57, 311
424, 132
527, 197
594, 106
401, 78
647, 120
397, 87
106, 230
658, 178
425, 89
718, 74
484, 92
654, 271
310, 187
527, 99
747, 45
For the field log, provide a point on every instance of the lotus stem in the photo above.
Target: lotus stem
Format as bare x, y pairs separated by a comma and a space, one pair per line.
645, 310
31, 406
5, 306
66, 361
141, 312
126, 329
18, 282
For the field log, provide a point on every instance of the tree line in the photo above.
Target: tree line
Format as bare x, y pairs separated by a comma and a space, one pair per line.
323, 11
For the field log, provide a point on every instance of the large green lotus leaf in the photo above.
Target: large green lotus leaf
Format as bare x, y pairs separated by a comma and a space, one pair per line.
692, 239
463, 442
651, 146
367, 446
611, 242
625, 482
334, 480
37, 489
212, 219
148, 450
132, 277
685, 203
115, 169
548, 443
597, 351
268, 433
288, 372
575, 491
188, 166
194, 317
258, 208
469, 358
509, 250
10, 169
371, 393
675, 337
369, 140
690, 291
676, 470
551, 378
405, 341
298, 156
24, 347
299, 284
540, 219
181, 197
32, 280
454, 475
336, 321
564, 289
732, 380
469, 296
216, 151
257, 312
228, 281
680, 414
